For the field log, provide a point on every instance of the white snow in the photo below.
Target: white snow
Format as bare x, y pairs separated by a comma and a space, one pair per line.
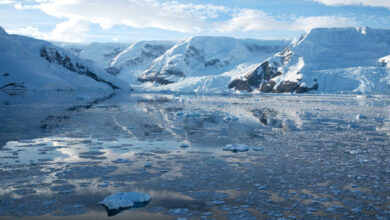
102, 54
132, 61
340, 60
21, 59
201, 64
236, 147
124, 200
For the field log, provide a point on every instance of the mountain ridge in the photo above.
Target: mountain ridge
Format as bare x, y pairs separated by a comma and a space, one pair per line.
31, 64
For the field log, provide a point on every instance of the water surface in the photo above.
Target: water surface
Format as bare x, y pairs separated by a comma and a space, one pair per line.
310, 156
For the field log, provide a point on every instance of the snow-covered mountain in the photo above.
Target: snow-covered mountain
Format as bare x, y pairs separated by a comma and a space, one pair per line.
102, 54
327, 60
207, 56
133, 61
30, 64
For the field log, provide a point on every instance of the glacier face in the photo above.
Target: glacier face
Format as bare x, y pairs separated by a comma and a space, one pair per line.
27, 63
327, 60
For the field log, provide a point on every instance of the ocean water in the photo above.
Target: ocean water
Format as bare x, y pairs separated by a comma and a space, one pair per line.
310, 156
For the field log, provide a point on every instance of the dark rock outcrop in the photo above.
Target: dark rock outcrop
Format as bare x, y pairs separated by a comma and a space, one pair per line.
53, 56
261, 79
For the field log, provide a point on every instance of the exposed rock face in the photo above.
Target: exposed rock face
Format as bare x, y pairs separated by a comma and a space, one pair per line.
330, 60
261, 79
54, 56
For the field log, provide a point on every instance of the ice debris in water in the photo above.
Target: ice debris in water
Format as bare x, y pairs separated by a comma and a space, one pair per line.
148, 164
236, 147
230, 118
359, 117
258, 149
124, 200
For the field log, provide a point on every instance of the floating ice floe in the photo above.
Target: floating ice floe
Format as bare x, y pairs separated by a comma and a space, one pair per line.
236, 147
124, 200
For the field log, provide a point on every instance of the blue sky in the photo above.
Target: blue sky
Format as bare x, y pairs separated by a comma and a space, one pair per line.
132, 20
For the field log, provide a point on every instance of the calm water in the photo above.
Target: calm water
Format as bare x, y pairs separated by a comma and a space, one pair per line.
310, 156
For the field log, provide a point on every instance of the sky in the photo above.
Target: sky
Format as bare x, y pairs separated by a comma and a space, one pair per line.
86, 21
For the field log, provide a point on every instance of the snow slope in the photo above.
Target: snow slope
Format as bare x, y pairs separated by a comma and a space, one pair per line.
132, 61
102, 54
326, 60
30, 64
198, 58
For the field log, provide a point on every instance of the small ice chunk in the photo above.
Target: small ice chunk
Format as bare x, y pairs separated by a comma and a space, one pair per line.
359, 117
180, 114
124, 200
148, 164
105, 184
230, 118
258, 149
354, 152
236, 147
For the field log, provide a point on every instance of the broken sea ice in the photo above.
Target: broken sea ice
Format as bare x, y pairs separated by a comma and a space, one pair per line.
123, 200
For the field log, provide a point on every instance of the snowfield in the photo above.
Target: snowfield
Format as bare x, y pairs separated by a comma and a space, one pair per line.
102, 54
131, 62
30, 64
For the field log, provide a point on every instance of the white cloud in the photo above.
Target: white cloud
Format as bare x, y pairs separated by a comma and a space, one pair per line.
6, 2
374, 3
135, 13
257, 20
29, 31
173, 16
68, 31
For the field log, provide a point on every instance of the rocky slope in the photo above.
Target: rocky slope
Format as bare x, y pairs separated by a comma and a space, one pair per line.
326, 60
27, 63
